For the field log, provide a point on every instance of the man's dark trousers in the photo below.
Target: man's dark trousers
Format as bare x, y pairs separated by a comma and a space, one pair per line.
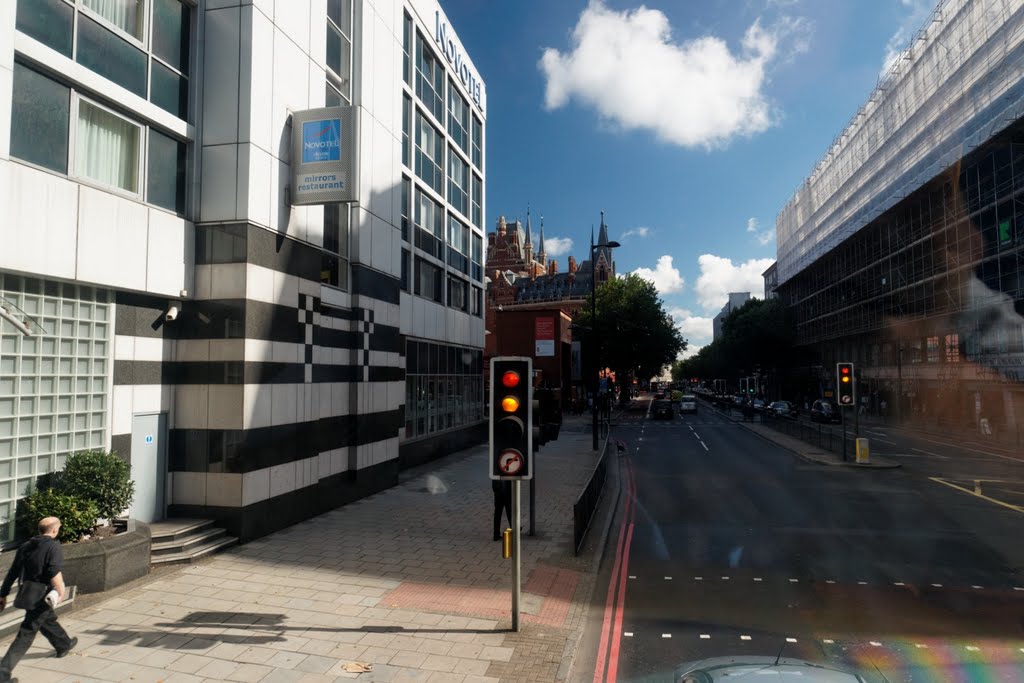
502, 501
43, 619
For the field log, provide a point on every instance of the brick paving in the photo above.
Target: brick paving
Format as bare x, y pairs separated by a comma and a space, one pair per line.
408, 580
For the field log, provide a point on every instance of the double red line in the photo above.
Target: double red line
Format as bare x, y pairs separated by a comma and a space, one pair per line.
611, 628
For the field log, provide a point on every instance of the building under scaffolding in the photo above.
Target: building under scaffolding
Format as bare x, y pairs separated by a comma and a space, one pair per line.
904, 249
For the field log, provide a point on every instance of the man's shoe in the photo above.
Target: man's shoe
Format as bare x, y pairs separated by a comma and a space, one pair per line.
64, 653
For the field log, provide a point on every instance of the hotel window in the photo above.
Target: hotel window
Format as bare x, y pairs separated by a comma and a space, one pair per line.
407, 49
429, 153
458, 182
339, 46
165, 181
405, 270
478, 252
334, 258
107, 147
406, 130
406, 205
458, 245
477, 301
40, 115
478, 137
429, 225
458, 296
458, 118
110, 37
428, 281
429, 79
444, 387
478, 201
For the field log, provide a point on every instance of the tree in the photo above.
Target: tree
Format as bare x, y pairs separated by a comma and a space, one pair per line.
637, 336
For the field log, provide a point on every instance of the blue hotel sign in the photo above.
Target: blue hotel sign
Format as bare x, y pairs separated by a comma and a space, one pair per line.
324, 156
321, 141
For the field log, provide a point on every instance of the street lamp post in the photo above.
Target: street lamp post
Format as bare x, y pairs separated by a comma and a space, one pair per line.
612, 244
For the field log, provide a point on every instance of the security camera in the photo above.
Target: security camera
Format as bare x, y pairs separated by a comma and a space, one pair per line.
172, 314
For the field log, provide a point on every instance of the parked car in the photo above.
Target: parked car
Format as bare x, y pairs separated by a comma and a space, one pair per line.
659, 396
688, 404
784, 409
757, 404
825, 411
661, 410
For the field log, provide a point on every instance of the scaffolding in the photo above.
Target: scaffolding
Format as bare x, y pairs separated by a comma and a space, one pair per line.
958, 84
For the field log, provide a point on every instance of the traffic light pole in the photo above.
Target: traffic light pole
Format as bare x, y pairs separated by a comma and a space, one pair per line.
516, 558
533, 498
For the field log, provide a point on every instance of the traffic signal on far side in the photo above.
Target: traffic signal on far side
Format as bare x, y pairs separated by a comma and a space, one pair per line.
511, 427
845, 385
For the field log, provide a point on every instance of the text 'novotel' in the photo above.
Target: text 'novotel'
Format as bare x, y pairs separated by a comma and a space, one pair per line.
458, 60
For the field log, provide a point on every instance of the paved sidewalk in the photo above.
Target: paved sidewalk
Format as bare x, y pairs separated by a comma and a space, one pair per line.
407, 580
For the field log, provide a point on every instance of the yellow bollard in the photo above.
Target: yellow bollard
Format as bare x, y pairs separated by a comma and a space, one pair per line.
506, 543
863, 451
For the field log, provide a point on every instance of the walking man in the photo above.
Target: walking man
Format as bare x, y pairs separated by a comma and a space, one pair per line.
502, 501
38, 566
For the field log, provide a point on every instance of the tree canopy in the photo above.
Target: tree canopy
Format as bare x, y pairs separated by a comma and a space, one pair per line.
637, 336
759, 334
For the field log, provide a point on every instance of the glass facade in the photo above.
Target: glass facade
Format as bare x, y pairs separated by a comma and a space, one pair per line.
444, 387
54, 386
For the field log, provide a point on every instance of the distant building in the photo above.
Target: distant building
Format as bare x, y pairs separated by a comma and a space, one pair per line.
771, 281
736, 300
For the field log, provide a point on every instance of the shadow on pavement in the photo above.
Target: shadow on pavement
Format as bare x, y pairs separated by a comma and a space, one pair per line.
252, 629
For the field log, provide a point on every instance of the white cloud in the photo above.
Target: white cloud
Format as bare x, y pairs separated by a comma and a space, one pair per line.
636, 232
719, 276
694, 93
691, 350
763, 237
692, 327
666, 279
896, 46
556, 246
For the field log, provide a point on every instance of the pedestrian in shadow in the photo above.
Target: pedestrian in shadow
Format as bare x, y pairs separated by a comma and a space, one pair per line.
38, 568
502, 501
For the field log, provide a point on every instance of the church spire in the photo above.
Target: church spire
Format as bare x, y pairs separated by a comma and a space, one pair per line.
529, 231
541, 255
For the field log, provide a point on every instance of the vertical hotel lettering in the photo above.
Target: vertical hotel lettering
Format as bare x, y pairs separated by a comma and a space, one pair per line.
456, 59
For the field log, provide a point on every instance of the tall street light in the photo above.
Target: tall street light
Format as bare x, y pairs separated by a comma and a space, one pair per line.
611, 244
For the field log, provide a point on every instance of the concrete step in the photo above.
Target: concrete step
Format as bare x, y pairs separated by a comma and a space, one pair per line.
187, 544
200, 551
174, 529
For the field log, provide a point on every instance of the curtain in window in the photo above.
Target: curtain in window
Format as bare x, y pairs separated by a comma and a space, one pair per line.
124, 14
107, 148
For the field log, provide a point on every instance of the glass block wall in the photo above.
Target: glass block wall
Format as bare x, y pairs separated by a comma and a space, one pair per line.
54, 386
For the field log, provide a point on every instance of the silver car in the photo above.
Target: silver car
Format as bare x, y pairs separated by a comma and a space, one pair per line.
778, 670
688, 404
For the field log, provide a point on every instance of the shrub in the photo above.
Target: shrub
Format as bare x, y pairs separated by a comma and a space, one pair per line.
100, 477
77, 516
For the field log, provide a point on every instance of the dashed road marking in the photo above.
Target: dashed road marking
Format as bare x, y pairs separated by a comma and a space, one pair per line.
757, 578
705, 636
666, 635
828, 641
921, 646
936, 585
628, 634
698, 578
876, 643
899, 583
744, 637
973, 648
790, 640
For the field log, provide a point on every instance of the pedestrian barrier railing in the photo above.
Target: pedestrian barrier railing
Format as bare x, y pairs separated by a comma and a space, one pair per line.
586, 505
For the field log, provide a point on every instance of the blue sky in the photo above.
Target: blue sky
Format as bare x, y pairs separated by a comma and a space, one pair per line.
689, 123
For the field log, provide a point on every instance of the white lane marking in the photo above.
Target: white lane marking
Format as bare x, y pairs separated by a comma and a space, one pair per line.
974, 450
921, 645
628, 634
862, 583
666, 635
829, 581
794, 580
725, 578
936, 585
871, 431
691, 428
744, 637
632, 576
876, 643
1018, 588
698, 578
972, 648
757, 578
899, 583
705, 636
936, 455
668, 578
828, 641
790, 640
704, 445
976, 587
891, 443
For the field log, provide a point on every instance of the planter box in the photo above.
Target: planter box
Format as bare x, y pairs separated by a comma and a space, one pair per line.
95, 566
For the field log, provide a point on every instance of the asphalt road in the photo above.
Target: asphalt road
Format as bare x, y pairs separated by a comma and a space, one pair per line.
727, 545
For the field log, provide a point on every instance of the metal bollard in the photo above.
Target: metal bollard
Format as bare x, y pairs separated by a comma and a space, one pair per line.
506, 544
863, 451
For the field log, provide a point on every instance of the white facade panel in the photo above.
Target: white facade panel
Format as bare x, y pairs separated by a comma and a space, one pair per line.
220, 168
39, 231
258, 123
293, 20
170, 253
291, 89
112, 236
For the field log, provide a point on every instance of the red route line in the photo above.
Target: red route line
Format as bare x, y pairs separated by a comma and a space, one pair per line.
618, 570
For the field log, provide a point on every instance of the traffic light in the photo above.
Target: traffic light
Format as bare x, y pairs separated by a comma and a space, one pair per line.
511, 428
845, 384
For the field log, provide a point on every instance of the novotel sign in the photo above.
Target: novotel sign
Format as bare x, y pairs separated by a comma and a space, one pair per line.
457, 58
324, 159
